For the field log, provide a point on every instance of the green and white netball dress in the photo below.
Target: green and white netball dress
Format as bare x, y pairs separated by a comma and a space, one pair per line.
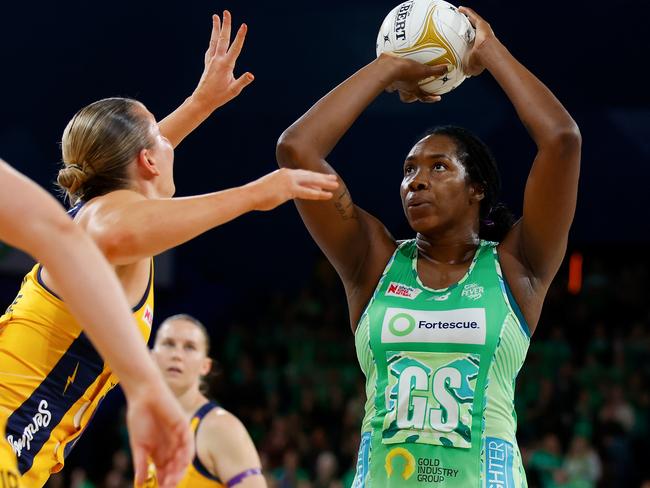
440, 370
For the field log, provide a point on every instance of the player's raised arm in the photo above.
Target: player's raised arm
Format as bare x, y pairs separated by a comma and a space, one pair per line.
31, 220
126, 181
356, 243
218, 84
129, 227
540, 239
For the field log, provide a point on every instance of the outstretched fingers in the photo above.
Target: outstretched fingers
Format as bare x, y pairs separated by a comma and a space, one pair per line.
183, 452
323, 180
242, 82
224, 36
314, 186
238, 43
313, 194
214, 36
170, 471
140, 465
173, 454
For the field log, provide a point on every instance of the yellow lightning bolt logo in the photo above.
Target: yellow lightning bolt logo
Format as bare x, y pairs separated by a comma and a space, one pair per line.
409, 462
71, 378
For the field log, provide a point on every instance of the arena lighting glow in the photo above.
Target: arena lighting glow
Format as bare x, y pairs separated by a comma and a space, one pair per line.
575, 273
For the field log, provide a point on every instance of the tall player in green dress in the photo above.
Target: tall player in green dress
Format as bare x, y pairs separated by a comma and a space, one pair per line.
442, 322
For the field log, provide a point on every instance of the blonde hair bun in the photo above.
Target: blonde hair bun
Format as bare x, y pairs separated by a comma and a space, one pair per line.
71, 177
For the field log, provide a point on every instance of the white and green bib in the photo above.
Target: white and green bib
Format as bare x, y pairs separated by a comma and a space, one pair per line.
440, 369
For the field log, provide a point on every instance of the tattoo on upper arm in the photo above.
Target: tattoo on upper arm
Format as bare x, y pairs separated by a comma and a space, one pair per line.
345, 206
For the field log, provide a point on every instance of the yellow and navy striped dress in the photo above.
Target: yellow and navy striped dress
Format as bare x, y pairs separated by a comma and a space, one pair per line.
197, 475
51, 377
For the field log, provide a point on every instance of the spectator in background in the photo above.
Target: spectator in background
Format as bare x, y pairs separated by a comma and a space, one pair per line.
546, 462
79, 479
582, 464
119, 475
326, 471
277, 441
290, 474
617, 409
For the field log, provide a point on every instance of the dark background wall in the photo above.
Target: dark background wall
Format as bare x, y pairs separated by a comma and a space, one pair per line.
59, 56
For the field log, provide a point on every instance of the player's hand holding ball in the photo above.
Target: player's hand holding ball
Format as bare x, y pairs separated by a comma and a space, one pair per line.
405, 76
433, 33
484, 38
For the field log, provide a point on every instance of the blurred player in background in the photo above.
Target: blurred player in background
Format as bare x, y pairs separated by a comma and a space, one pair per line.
442, 322
118, 174
225, 454
31, 220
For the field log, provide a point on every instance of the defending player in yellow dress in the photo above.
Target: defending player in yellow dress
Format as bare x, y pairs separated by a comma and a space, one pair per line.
225, 454
118, 171
95, 296
53, 378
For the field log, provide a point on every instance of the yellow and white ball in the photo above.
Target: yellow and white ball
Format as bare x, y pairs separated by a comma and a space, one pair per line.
432, 32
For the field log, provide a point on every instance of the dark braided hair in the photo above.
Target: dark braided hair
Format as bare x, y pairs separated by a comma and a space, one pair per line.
495, 218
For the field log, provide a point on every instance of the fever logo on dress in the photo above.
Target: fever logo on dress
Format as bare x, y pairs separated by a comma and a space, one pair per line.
473, 291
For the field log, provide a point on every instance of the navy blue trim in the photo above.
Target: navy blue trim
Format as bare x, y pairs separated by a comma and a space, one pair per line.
146, 292
39, 278
203, 411
516, 309
70, 445
202, 470
198, 465
75, 209
72, 213
142, 301
31, 424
